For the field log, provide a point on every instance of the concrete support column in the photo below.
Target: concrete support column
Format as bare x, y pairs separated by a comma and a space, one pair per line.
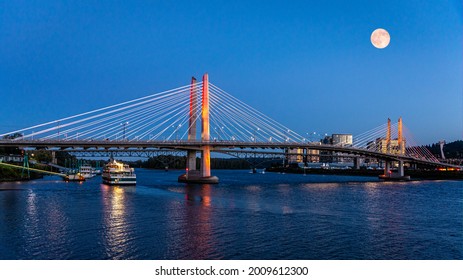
191, 161
401, 168
387, 168
356, 163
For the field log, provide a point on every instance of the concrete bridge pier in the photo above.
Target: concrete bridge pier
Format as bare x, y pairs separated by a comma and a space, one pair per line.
399, 176
387, 168
191, 161
356, 163
401, 168
204, 175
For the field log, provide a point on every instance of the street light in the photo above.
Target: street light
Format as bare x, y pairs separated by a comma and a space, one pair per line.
218, 133
176, 128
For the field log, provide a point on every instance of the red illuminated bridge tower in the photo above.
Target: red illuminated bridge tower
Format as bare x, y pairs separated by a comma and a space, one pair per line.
202, 176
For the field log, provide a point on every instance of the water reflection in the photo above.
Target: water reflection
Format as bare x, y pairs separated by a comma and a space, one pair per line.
191, 226
383, 216
116, 230
31, 222
57, 229
201, 193
166, 220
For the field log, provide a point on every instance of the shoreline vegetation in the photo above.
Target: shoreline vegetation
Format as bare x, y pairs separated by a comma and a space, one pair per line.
9, 174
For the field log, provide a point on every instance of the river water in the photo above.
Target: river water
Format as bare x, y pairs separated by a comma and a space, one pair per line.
246, 216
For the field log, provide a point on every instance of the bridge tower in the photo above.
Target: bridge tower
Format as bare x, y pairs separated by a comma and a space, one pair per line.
401, 145
400, 140
191, 154
401, 151
192, 175
388, 136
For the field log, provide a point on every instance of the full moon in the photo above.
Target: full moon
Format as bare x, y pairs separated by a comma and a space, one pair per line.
380, 38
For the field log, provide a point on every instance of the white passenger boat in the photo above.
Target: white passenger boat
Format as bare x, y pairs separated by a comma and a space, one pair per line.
117, 173
87, 171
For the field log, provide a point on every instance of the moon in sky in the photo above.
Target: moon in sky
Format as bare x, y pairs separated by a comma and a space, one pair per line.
380, 38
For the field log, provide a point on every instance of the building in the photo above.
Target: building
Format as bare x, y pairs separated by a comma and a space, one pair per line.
295, 155
337, 139
381, 145
342, 140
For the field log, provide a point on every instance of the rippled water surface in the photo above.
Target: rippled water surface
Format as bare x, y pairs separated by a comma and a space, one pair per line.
246, 216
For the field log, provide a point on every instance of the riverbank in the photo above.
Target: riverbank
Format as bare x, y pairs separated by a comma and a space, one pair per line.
8, 174
414, 174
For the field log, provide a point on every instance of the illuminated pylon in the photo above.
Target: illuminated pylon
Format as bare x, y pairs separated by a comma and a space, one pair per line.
388, 136
205, 133
202, 176
191, 154
400, 141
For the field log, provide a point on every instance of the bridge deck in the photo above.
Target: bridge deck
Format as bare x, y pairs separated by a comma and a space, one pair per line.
95, 145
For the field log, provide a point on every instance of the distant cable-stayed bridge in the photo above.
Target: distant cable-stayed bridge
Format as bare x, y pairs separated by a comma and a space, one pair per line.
170, 120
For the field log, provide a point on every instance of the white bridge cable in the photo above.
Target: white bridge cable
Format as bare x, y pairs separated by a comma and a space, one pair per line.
167, 127
250, 126
195, 122
108, 127
142, 120
149, 132
420, 151
373, 139
178, 125
131, 121
232, 104
114, 125
112, 114
367, 141
142, 123
97, 110
362, 140
242, 129
251, 120
59, 125
239, 133
224, 126
276, 125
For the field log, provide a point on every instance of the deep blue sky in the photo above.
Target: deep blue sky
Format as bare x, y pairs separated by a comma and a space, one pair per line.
308, 64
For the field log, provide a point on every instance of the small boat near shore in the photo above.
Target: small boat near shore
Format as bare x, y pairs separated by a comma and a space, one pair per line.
74, 177
117, 173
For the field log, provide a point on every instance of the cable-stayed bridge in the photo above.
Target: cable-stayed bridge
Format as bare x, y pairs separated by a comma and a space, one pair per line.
201, 117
